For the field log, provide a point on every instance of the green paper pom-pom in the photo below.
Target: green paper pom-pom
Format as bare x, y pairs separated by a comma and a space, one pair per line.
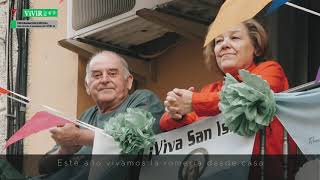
246, 106
132, 130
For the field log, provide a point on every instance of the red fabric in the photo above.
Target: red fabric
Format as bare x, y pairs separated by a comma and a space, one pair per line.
40, 121
205, 103
3, 91
13, 11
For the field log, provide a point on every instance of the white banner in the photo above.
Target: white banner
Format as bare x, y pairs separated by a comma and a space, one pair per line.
200, 151
211, 134
204, 138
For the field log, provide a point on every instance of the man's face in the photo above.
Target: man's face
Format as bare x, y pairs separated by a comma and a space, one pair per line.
106, 83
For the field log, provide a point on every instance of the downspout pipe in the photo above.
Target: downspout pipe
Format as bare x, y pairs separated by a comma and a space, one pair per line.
17, 111
22, 70
9, 69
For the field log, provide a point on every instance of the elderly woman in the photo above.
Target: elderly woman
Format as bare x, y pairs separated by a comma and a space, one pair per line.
241, 47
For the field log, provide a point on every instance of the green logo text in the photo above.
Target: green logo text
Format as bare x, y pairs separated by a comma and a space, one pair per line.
40, 12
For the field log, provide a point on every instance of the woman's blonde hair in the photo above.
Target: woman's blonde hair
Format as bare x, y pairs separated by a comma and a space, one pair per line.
258, 38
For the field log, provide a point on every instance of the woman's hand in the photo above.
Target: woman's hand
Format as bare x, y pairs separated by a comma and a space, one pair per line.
171, 106
179, 102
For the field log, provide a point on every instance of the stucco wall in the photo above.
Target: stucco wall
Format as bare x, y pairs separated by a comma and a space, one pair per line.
3, 124
53, 76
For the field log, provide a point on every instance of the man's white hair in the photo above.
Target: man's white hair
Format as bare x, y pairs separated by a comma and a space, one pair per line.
107, 55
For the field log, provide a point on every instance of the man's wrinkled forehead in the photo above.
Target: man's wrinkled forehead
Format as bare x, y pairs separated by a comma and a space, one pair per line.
105, 62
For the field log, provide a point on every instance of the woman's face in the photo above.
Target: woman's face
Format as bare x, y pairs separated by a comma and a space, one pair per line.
234, 50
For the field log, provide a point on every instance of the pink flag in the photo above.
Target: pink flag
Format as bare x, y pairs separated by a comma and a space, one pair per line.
40, 121
3, 91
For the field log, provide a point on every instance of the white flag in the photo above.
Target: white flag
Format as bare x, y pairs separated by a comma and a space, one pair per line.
104, 155
104, 144
299, 113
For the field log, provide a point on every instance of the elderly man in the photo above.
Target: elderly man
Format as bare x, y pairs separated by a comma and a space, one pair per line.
108, 82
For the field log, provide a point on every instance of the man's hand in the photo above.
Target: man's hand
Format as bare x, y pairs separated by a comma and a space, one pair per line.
67, 135
69, 149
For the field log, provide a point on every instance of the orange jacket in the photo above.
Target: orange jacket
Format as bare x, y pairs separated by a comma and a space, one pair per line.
205, 103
